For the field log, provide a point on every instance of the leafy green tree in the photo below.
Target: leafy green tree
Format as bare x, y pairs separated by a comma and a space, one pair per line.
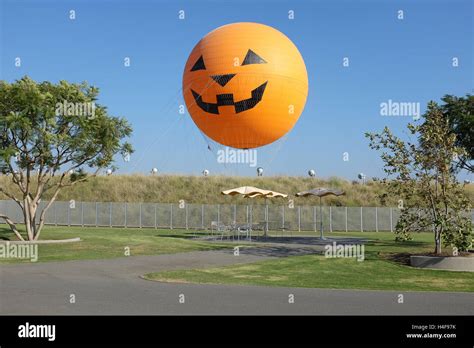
49, 134
460, 113
421, 174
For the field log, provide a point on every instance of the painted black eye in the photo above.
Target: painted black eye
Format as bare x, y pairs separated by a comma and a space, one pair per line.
253, 58
199, 65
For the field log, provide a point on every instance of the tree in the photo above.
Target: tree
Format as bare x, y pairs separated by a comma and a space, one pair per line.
422, 175
460, 113
49, 134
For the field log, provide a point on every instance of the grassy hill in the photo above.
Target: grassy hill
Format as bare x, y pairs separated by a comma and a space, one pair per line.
198, 189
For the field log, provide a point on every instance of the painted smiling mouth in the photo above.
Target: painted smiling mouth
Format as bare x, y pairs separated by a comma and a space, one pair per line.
228, 99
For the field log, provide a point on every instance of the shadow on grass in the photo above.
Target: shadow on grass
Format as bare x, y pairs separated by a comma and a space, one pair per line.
398, 244
6, 234
277, 251
182, 236
402, 257
399, 258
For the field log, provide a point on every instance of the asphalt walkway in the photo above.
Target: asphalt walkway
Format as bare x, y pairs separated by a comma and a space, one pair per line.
114, 286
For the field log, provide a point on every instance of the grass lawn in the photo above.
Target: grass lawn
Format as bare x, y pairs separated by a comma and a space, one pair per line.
384, 268
102, 243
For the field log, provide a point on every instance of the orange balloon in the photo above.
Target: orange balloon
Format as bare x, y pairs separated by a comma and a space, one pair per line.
245, 85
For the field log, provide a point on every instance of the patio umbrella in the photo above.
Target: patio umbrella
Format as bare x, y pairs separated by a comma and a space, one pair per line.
270, 194
320, 192
244, 190
254, 192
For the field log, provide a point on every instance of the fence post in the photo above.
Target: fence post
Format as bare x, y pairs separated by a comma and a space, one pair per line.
218, 214
202, 216
110, 214
82, 214
55, 214
376, 220
140, 217
315, 224
346, 220
391, 219
299, 218
96, 214
186, 215
125, 214
330, 219
171, 216
235, 213
361, 221
283, 217
251, 214
68, 215
266, 217
155, 217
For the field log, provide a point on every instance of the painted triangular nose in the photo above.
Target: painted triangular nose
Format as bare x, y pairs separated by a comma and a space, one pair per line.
222, 79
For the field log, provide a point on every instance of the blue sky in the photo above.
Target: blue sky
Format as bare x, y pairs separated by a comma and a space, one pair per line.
407, 60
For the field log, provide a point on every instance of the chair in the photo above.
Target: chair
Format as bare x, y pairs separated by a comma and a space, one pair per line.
244, 229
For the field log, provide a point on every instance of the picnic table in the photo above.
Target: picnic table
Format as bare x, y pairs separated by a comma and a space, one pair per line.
236, 229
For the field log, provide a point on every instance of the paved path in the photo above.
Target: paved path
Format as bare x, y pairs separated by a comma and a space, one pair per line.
114, 286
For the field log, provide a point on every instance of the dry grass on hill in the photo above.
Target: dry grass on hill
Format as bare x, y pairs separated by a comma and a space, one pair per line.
198, 189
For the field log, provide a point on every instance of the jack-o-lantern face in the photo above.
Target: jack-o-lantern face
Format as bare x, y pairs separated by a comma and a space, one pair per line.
245, 85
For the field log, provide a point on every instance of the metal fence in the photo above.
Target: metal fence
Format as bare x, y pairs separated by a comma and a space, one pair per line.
200, 216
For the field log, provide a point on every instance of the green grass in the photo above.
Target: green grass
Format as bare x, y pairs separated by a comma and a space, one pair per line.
382, 269
172, 188
104, 243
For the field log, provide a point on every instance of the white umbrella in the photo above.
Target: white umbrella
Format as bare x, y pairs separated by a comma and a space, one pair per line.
251, 191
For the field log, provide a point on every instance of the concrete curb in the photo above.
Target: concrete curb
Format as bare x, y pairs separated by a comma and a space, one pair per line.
449, 263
